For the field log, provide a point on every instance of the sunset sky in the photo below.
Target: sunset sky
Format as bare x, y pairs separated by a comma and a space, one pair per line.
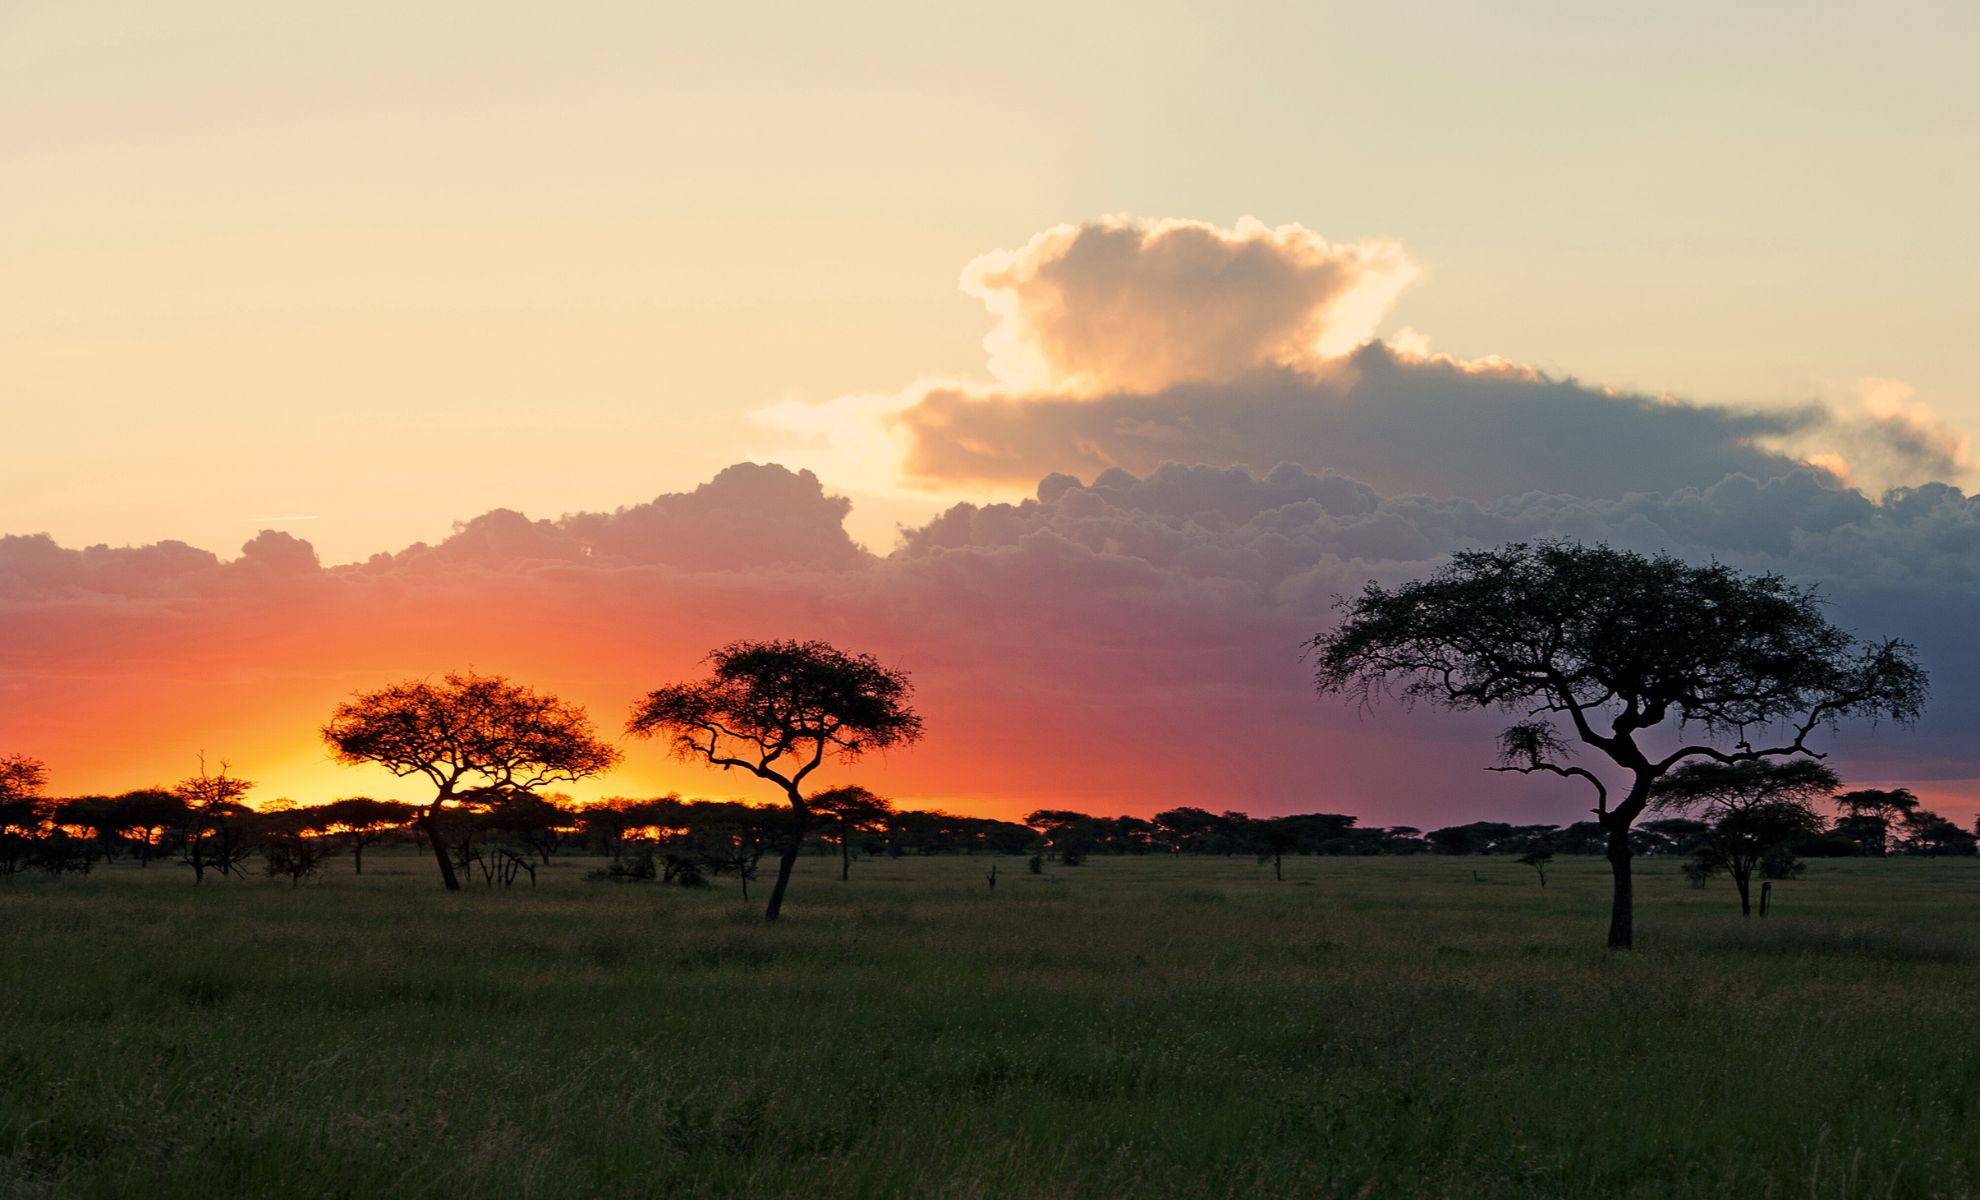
485, 303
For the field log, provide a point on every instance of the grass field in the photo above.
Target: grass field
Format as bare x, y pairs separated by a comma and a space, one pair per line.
1131, 1028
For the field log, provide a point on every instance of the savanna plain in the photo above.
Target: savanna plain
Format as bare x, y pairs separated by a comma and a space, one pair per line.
1133, 1027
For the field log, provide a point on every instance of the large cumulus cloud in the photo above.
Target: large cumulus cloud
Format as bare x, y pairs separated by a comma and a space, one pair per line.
1138, 306
1129, 343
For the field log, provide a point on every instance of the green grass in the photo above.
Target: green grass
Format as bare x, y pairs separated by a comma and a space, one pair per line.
1131, 1028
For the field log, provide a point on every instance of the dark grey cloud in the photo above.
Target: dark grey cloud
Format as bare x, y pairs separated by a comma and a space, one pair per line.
1403, 424
1276, 550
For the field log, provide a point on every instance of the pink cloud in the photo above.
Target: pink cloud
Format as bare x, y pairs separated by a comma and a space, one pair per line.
1123, 645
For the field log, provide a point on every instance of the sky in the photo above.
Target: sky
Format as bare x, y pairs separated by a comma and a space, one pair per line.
379, 277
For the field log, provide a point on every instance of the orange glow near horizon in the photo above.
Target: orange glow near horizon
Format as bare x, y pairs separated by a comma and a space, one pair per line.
272, 742
1031, 699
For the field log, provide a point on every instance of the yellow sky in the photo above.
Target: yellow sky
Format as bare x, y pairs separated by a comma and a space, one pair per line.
384, 265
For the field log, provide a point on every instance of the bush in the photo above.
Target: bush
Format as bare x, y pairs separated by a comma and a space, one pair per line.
293, 854
57, 853
1780, 863
684, 871
631, 863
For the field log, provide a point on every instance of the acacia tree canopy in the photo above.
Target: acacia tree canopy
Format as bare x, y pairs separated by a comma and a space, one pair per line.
1647, 659
1751, 809
21, 777
471, 735
780, 710
210, 800
1718, 789
22, 805
853, 808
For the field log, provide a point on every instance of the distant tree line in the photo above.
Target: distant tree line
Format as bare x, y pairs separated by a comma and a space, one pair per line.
502, 837
1869, 823
496, 838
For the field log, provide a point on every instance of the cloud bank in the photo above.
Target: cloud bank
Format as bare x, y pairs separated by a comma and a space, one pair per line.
1125, 644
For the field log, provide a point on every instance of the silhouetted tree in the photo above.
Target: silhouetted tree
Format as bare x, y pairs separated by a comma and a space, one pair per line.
1479, 837
1070, 835
471, 736
1926, 832
936, 832
1402, 839
1331, 833
779, 709
292, 846
58, 852
360, 821
1272, 839
100, 815
1752, 811
1538, 858
537, 825
850, 809
1184, 830
1867, 814
147, 818
731, 839
606, 823
1617, 646
22, 807
215, 837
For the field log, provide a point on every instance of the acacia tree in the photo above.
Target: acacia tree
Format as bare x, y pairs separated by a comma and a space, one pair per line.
473, 736
779, 710
100, 815
214, 838
539, 825
361, 821
148, 817
852, 809
22, 807
1751, 810
1648, 660
293, 844
1926, 832
1272, 838
1868, 813
730, 838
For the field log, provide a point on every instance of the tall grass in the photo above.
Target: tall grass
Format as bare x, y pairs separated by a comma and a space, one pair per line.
1130, 1028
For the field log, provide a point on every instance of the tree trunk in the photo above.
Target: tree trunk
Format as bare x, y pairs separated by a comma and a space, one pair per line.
1279, 867
845, 852
357, 856
1622, 908
196, 853
1743, 880
787, 860
430, 825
